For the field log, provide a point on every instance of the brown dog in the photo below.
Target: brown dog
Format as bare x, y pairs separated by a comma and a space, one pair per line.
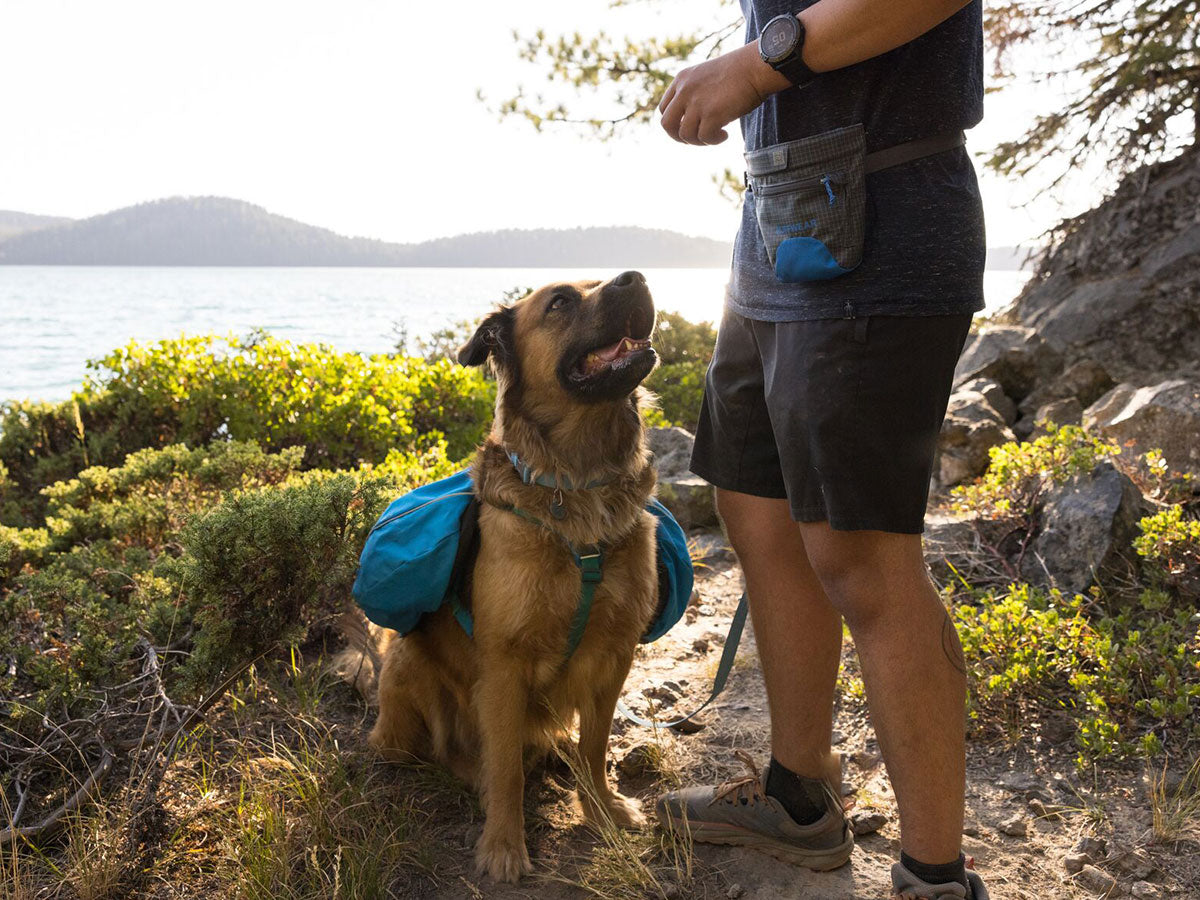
568, 360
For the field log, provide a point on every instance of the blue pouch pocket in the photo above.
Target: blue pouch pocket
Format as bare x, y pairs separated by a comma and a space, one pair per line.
810, 202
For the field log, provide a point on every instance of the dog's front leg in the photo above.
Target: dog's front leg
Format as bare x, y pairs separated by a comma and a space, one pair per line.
502, 704
599, 801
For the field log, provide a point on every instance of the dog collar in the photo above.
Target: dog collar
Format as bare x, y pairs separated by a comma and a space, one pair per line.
558, 482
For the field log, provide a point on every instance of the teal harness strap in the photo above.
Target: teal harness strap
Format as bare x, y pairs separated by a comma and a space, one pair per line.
591, 573
728, 654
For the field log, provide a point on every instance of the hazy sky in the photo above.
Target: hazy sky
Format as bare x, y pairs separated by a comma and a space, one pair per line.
361, 116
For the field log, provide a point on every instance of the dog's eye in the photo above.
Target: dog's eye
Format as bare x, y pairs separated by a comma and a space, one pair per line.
558, 301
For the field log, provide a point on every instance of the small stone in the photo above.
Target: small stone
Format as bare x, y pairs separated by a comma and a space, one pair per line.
670, 890
1134, 863
1074, 862
864, 823
838, 738
706, 609
865, 759
848, 790
1144, 890
971, 829
1092, 879
700, 645
1014, 827
638, 760
1019, 782
1093, 846
673, 686
735, 891
1041, 811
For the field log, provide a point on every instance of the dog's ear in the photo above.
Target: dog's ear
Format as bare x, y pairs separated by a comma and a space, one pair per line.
494, 337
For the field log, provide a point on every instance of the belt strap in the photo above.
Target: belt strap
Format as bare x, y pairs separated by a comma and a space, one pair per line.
724, 667
910, 150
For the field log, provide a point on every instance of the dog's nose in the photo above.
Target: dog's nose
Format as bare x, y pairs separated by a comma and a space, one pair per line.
627, 278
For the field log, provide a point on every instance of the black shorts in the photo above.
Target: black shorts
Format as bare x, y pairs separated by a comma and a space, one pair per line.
839, 416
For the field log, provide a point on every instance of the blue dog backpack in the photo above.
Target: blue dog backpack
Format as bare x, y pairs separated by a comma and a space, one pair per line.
420, 549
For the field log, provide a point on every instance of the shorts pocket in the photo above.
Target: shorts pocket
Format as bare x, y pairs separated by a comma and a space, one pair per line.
810, 202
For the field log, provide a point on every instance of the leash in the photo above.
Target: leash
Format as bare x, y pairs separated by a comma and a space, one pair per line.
724, 667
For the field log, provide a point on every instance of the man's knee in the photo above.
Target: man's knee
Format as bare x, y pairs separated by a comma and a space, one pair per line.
756, 524
861, 571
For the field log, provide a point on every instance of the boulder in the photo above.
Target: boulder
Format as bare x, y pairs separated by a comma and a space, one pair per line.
1121, 287
688, 497
971, 428
994, 394
1164, 416
1012, 355
1086, 380
1067, 411
1087, 525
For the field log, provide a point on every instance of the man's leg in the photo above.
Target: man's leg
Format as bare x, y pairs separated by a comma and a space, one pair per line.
913, 673
797, 630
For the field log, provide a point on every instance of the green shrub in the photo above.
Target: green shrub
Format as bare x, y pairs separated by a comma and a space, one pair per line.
343, 409
1172, 544
1020, 473
1127, 681
684, 351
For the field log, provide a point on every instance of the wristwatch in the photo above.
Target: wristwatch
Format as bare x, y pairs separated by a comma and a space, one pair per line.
780, 45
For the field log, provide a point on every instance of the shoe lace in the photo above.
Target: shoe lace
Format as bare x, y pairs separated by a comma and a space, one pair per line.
747, 787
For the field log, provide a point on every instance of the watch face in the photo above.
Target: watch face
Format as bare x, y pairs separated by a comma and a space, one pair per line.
778, 38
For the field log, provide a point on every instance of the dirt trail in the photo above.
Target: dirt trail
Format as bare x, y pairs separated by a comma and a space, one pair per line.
1011, 789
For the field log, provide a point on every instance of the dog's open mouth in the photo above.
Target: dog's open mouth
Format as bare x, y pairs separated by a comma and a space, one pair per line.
604, 359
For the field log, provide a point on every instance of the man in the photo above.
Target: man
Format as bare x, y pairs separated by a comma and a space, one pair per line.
822, 408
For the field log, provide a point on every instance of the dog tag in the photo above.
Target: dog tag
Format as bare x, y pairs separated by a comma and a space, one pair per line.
556, 506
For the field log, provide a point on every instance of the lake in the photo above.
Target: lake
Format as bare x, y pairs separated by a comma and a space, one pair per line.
54, 318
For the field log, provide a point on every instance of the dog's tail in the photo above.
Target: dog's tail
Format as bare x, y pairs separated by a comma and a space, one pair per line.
359, 663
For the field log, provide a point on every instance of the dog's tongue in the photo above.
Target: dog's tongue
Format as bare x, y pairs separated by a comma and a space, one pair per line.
608, 354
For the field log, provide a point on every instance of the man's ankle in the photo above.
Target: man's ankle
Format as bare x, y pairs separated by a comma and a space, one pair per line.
805, 799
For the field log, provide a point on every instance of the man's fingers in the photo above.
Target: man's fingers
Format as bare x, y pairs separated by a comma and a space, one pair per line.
667, 97
711, 132
672, 116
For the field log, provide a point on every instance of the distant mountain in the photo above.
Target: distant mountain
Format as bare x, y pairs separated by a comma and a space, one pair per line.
215, 231
16, 222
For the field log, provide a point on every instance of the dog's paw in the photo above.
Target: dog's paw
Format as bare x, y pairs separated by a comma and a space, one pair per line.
624, 812
502, 856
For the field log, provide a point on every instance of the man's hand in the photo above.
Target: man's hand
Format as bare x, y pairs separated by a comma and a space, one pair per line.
703, 99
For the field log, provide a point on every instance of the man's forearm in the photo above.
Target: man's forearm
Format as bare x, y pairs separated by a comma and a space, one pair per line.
843, 32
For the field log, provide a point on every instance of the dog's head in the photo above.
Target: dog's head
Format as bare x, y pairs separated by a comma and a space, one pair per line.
582, 342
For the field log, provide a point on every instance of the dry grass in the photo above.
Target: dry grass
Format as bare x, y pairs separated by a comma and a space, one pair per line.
1176, 812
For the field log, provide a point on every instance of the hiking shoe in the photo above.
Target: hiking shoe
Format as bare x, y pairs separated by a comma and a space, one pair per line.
909, 887
740, 812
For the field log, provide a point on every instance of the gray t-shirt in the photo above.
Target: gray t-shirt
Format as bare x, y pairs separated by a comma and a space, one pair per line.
924, 250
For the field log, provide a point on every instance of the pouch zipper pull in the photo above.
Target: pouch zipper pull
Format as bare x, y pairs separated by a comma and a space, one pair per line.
825, 180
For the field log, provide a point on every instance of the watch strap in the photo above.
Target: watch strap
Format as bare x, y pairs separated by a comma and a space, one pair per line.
794, 69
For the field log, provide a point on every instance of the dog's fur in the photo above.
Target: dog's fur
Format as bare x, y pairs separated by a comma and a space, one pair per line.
487, 706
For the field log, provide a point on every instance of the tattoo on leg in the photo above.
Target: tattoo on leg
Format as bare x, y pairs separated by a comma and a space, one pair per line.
951, 647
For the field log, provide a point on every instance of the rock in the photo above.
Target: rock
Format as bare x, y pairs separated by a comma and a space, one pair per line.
1067, 411
1164, 416
1122, 286
638, 760
706, 609
994, 394
1134, 863
1086, 381
867, 822
1019, 782
1087, 526
671, 890
1074, 862
1144, 890
700, 645
1014, 827
1092, 879
972, 427
948, 542
1038, 808
735, 891
689, 498
837, 738
1093, 847
1014, 356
